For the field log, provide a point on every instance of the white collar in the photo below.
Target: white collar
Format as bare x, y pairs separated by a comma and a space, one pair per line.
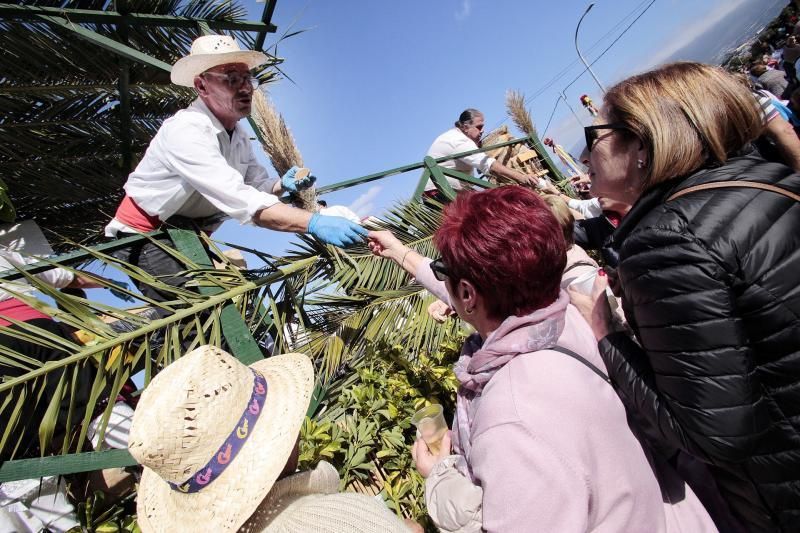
201, 106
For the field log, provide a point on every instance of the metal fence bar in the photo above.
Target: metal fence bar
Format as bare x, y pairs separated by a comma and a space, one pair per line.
56, 465
405, 168
80, 256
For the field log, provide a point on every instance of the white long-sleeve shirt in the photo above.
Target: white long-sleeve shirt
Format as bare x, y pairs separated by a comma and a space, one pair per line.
453, 141
26, 238
195, 169
588, 208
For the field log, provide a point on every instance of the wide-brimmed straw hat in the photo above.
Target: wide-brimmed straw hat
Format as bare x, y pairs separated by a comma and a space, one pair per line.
310, 501
213, 435
210, 51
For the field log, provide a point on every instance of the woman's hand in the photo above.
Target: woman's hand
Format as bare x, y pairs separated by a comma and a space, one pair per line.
440, 311
595, 308
423, 457
385, 244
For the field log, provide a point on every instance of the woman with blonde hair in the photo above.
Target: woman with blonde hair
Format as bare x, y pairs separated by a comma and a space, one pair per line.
709, 274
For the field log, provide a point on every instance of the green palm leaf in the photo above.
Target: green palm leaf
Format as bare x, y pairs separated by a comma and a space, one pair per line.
30, 386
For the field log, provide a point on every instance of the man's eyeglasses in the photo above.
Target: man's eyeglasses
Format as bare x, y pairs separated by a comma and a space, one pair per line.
592, 132
236, 79
440, 270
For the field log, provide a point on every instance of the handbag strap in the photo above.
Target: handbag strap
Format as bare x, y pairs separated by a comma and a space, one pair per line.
579, 264
583, 360
731, 184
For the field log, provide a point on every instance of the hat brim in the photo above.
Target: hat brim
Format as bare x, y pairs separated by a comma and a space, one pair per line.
227, 502
186, 68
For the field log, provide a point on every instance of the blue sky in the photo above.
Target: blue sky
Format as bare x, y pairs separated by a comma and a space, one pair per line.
374, 82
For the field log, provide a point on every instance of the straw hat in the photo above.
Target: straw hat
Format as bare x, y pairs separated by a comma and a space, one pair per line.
309, 501
191, 420
210, 51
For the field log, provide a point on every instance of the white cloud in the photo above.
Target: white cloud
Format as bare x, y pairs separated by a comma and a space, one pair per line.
364, 205
464, 10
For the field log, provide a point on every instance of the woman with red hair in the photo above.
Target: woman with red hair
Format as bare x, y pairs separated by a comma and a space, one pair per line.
540, 439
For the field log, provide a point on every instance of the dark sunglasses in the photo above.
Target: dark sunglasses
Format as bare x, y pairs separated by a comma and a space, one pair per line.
439, 269
592, 132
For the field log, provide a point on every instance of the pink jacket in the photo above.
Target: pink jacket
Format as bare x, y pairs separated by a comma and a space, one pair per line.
551, 449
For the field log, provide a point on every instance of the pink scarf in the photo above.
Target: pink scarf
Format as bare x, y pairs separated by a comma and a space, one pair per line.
481, 359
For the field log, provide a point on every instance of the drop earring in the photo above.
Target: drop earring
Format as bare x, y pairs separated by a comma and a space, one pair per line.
639, 163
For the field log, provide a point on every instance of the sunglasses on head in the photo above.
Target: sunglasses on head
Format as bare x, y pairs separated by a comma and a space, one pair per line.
440, 270
591, 133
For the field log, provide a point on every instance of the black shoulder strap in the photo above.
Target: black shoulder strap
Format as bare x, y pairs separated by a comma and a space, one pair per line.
583, 360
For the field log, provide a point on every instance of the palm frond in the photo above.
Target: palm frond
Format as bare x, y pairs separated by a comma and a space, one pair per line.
99, 357
349, 299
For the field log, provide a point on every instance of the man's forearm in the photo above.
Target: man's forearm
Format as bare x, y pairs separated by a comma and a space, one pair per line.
786, 140
282, 217
508, 173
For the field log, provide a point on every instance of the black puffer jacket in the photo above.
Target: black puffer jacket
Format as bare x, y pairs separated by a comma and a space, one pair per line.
711, 287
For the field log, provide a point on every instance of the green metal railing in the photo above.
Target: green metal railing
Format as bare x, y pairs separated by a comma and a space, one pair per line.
439, 174
235, 330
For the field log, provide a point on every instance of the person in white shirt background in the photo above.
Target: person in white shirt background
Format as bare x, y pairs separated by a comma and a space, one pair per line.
200, 168
464, 137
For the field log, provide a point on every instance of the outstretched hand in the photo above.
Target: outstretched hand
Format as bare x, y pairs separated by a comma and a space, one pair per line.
384, 244
337, 231
125, 297
290, 184
440, 311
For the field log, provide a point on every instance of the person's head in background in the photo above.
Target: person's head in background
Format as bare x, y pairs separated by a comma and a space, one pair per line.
563, 215
794, 100
502, 254
758, 69
471, 123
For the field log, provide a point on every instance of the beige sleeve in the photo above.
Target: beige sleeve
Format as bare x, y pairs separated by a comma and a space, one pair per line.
454, 503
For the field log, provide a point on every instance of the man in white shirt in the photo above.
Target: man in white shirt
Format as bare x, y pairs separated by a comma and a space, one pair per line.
464, 137
200, 168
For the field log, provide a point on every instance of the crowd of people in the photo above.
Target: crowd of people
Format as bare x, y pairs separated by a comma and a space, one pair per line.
660, 392
702, 254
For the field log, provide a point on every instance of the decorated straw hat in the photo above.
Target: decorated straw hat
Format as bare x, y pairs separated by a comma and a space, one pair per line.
213, 435
310, 501
210, 51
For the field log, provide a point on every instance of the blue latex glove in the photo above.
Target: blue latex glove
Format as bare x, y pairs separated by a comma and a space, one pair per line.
290, 185
337, 231
119, 294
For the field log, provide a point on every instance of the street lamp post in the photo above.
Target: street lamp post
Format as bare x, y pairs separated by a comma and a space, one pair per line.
564, 97
583, 60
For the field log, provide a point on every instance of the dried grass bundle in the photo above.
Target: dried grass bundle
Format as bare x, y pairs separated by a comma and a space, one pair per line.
279, 145
519, 114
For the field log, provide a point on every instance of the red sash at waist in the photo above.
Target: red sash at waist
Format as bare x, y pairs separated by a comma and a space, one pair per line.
133, 216
18, 310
